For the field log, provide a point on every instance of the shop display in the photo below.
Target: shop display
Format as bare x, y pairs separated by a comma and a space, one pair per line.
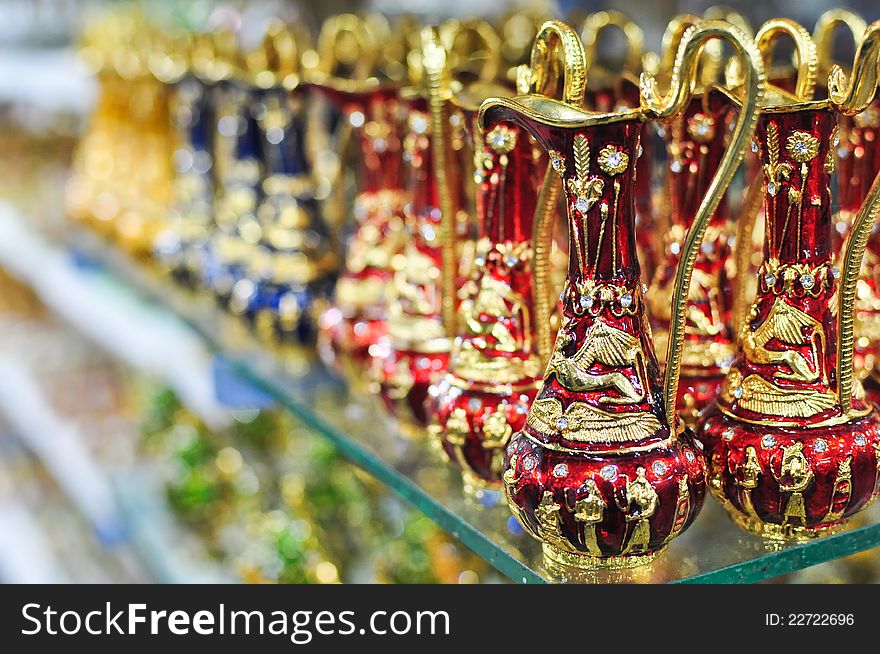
596, 281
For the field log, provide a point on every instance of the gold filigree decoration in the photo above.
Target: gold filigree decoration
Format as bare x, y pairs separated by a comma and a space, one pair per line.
586, 188
786, 324
758, 395
584, 423
501, 139
802, 147
609, 346
612, 161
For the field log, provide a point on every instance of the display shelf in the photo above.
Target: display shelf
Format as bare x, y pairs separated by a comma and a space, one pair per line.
712, 550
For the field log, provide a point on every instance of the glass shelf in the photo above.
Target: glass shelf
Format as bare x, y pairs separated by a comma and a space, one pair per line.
713, 550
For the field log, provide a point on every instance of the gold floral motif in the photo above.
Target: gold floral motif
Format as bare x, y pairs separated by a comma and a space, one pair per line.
585, 187
775, 171
501, 139
613, 161
584, 423
802, 147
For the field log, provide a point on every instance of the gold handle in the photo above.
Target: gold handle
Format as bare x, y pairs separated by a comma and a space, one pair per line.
710, 59
556, 44
852, 97
351, 32
453, 31
683, 79
823, 33
804, 48
434, 64
276, 59
632, 33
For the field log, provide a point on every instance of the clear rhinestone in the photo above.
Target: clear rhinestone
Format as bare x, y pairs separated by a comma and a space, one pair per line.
644, 287
820, 445
497, 140
675, 247
836, 140
529, 463
754, 147
556, 162
768, 441
835, 272
659, 468
808, 281
626, 300
689, 456
562, 424
582, 205
474, 404
608, 472
586, 302
511, 261
771, 188
560, 470
801, 148
613, 159
708, 247
738, 392
675, 167
770, 279
728, 434
860, 440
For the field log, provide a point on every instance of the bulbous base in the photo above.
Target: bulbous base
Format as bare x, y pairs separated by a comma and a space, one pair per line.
608, 506
554, 557
792, 483
404, 378
352, 345
473, 423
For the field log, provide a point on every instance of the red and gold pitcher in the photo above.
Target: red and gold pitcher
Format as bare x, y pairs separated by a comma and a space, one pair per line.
422, 296
793, 446
605, 473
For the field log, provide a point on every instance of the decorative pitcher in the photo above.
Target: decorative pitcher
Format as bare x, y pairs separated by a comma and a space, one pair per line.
357, 323
792, 445
605, 473
423, 297
494, 369
293, 264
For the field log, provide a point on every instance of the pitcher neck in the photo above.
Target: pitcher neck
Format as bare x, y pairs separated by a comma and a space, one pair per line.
797, 155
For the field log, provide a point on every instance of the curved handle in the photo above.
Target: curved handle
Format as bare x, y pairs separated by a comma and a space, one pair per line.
276, 59
341, 31
437, 75
826, 26
632, 34
683, 79
452, 31
556, 44
805, 51
852, 97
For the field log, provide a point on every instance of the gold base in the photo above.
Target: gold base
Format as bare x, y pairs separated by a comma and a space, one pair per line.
783, 533
556, 557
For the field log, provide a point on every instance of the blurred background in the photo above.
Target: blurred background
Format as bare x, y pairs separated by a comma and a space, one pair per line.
128, 450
